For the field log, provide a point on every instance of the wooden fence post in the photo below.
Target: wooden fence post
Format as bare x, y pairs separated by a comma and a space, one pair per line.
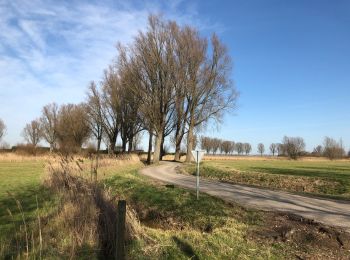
120, 254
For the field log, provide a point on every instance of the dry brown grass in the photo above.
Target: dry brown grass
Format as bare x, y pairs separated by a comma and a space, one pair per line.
13, 157
84, 222
89, 212
262, 158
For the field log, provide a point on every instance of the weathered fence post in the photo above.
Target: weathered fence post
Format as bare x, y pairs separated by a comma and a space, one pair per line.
120, 254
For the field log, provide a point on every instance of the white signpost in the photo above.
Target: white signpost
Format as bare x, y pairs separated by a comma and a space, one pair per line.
198, 155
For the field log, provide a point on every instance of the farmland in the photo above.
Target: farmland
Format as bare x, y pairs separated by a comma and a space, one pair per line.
314, 176
171, 223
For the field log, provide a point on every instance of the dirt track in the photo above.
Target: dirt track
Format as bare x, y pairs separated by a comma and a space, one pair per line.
329, 212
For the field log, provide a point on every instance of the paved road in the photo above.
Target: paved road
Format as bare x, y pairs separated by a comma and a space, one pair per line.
330, 212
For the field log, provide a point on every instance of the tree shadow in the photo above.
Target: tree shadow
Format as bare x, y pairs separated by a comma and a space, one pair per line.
186, 248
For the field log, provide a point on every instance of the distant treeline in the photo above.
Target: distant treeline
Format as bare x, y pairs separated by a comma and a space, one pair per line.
292, 147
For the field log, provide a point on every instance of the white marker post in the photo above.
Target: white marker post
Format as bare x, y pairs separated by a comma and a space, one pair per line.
198, 155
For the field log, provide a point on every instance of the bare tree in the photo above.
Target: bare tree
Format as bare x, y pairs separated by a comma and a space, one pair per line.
48, 123
281, 151
225, 147
110, 101
216, 142
95, 113
273, 148
150, 61
137, 141
73, 128
247, 148
293, 146
130, 120
318, 150
2, 129
32, 132
232, 147
239, 148
332, 148
210, 91
205, 144
261, 149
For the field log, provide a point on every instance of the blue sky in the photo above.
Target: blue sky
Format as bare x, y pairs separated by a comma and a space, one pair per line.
291, 59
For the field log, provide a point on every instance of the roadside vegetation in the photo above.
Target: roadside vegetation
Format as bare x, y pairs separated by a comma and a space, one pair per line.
58, 211
314, 176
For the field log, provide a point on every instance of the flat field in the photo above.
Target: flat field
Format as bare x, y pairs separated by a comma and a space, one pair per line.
173, 225
315, 176
22, 197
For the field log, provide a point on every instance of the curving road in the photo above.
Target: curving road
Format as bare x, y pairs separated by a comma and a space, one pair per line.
327, 211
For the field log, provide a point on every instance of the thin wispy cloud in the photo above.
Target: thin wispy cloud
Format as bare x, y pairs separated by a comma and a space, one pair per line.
50, 50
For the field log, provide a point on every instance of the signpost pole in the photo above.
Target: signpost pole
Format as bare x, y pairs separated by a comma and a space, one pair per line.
197, 175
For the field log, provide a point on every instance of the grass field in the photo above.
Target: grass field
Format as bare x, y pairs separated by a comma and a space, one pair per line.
20, 182
174, 225
324, 177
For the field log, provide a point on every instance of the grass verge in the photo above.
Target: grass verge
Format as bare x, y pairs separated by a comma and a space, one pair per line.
330, 178
173, 224
180, 227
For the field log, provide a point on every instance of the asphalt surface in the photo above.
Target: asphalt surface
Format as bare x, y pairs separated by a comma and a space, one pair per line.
327, 211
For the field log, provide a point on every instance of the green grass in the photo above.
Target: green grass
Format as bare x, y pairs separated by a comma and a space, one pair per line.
20, 181
318, 177
175, 225
178, 224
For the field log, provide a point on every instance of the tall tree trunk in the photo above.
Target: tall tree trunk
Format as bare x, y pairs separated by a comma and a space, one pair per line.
157, 147
113, 141
124, 140
99, 144
190, 140
162, 152
179, 133
131, 139
177, 152
149, 154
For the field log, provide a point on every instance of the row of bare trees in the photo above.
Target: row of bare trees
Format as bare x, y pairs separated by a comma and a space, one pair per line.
292, 147
215, 145
179, 79
65, 127
170, 81
330, 149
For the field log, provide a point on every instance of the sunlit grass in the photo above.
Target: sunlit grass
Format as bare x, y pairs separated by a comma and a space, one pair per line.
319, 176
182, 227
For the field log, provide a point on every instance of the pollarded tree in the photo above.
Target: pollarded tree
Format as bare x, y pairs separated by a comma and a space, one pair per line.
247, 148
32, 132
2, 129
73, 128
239, 148
48, 123
332, 148
226, 147
95, 113
216, 142
293, 146
318, 150
150, 61
281, 151
130, 119
110, 104
232, 147
205, 143
210, 91
273, 148
261, 149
